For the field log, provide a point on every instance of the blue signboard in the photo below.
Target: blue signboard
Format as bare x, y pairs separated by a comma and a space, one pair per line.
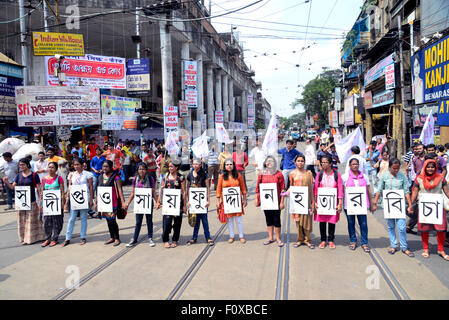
138, 82
443, 113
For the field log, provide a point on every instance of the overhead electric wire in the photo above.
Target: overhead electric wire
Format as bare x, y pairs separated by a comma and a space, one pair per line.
24, 16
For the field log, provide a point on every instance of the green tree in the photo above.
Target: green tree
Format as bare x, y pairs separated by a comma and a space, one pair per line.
317, 94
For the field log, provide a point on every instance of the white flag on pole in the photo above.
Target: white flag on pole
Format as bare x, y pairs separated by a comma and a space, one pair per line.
172, 142
343, 146
427, 134
199, 147
270, 143
221, 134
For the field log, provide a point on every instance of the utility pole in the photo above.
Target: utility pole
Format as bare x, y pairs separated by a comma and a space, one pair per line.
23, 43
138, 32
403, 145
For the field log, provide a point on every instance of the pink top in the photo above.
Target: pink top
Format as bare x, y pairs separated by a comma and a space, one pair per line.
328, 181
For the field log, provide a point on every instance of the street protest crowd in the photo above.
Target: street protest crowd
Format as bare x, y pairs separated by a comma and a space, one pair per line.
310, 183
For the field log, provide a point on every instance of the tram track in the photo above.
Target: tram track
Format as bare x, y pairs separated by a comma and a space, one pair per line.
284, 260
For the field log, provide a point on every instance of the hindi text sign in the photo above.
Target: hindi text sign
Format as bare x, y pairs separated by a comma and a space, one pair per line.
269, 196
51, 203
327, 201
198, 199
232, 200
430, 208
171, 202
394, 204
143, 199
299, 200
356, 200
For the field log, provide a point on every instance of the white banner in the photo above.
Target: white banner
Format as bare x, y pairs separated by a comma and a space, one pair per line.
197, 200
356, 200
79, 197
104, 202
221, 134
394, 204
299, 200
43, 106
171, 202
427, 133
431, 208
270, 143
143, 199
51, 203
343, 146
232, 201
327, 201
200, 147
269, 196
22, 197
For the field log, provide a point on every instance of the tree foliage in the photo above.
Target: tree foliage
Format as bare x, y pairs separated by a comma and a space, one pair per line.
317, 94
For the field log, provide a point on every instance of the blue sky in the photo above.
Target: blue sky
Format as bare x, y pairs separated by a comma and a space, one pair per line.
275, 60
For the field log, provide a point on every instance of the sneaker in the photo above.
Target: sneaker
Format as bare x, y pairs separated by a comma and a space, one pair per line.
132, 243
152, 244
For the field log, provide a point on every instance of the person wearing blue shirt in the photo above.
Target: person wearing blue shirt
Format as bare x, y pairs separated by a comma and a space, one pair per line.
372, 157
96, 164
289, 154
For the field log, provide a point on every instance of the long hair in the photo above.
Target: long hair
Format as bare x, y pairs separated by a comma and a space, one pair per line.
234, 172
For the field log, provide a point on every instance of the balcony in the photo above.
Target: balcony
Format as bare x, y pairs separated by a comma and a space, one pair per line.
357, 39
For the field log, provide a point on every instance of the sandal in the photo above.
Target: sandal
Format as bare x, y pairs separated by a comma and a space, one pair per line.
109, 241
280, 244
268, 242
311, 246
443, 255
210, 242
46, 243
191, 241
174, 245
331, 245
66, 243
352, 246
322, 245
425, 254
167, 245
392, 250
298, 244
366, 248
83, 242
242, 240
230, 240
408, 253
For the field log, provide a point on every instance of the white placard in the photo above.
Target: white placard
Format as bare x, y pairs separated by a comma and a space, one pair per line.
22, 197
198, 199
104, 199
51, 203
356, 200
430, 208
171, 202
79, 197
269, 196
299, 200
394, 204
232, 200
143, 199
327, 201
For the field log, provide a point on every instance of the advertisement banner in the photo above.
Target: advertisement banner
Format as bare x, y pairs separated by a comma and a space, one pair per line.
378, 70
91, 70
183, 108
337, 98
383, 98
191, 83
57, 106
333, 118
138, 81
368, 100
51, 43
349, 111
192, 98
420, 113
430, 72
170, 119
7, 95
443, 113
219, 116
389, 77
119, 113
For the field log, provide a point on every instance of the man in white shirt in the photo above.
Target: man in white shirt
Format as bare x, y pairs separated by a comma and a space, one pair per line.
310, 157
362, 162
258, 155
10, 169
325, 137
40, 166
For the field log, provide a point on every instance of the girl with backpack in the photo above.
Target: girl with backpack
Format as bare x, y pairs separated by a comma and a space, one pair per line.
328, 178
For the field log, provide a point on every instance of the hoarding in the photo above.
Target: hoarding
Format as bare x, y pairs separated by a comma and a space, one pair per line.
119, 113
51, 43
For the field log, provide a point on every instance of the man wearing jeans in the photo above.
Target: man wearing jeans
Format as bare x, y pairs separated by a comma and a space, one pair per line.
289, 154
372, 157
10, 168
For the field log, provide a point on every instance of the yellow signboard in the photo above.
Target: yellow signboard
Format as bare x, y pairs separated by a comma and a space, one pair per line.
51, 43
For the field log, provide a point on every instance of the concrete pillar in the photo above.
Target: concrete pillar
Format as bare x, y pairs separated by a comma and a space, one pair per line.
167, 65
210, 97
244, 108
200, 110
218, 100
185, 55
231, 100
225, 98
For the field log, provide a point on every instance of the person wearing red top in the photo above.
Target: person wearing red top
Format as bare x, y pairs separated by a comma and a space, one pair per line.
150, 160
92, 146
114, 155
272, 217
241, 162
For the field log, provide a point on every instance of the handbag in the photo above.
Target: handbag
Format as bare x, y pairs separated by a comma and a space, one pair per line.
121, 212
192, 219
221, 214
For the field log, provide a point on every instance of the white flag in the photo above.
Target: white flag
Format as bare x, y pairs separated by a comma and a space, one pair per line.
199, 147
172, 142
427, 134
270, 143
343, 146
221, 134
